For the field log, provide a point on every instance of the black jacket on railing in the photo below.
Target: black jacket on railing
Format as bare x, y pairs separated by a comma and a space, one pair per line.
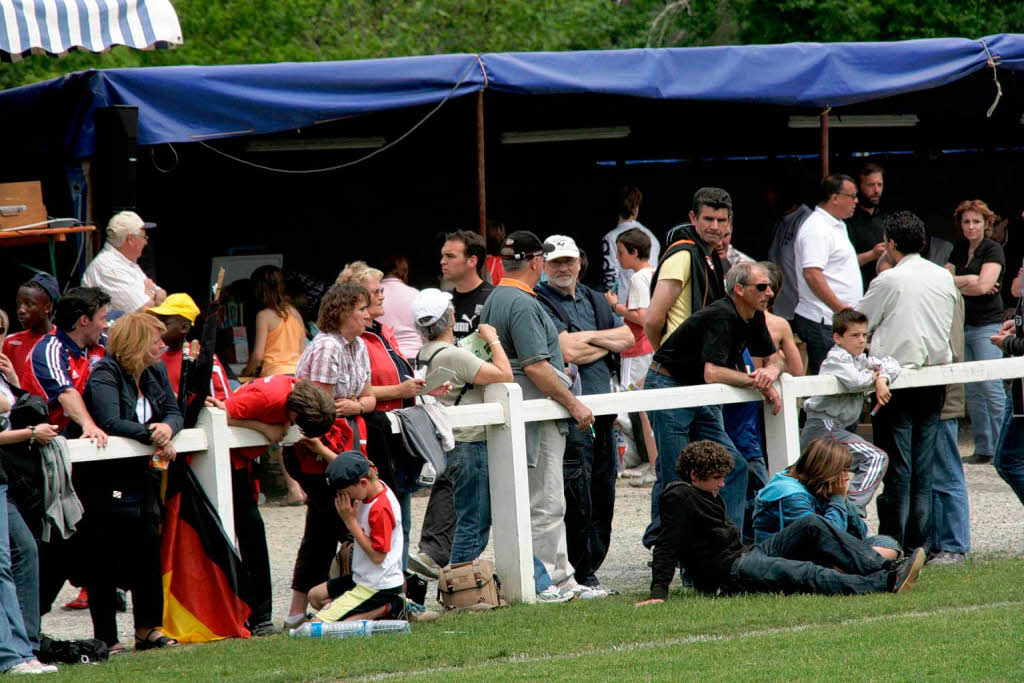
111, 396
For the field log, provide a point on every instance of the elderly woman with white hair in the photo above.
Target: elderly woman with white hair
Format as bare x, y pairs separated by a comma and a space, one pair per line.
434, 317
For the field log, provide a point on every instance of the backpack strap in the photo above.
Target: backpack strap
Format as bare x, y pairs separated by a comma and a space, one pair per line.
426, 364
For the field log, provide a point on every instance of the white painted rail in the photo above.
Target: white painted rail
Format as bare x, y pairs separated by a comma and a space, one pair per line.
505, 415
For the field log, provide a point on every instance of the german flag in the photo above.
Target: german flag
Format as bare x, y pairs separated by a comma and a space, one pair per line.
202, 572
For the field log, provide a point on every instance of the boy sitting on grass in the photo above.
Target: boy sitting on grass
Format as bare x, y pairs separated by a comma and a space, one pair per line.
829, 416
808, 556
371, 512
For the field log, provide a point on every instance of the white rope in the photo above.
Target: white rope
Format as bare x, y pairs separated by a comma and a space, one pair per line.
356, 161
995, 77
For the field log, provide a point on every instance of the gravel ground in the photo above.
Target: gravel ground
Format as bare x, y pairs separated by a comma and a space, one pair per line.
997, 529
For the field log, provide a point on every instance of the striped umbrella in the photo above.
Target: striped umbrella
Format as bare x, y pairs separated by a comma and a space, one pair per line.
54, 27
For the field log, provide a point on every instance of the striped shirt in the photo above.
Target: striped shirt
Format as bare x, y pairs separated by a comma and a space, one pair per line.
119, 277
331, 359
58, 364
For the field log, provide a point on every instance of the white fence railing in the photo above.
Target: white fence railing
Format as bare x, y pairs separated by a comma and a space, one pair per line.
505, 415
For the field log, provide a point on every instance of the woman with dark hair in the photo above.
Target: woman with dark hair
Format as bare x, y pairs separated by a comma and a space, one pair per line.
495, 238
337, 363
128, 394
977, 264
816, 484
280, 333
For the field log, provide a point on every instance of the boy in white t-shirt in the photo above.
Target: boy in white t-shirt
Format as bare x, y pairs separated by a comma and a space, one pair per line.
633, 249
372, 514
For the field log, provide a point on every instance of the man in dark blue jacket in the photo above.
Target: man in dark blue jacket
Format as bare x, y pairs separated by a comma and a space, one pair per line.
590, 335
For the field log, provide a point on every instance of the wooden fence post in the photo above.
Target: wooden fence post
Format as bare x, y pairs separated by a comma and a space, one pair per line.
782, 431
213, 467
510, 496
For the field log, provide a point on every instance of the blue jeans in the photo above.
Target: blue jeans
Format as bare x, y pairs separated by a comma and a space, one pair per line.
405, 504
818, 338
757, 479
811, 556
541, 579
14, 645
1009, 457
906, 429
951, 521
673, 431
25, 568
467, 470
985, 400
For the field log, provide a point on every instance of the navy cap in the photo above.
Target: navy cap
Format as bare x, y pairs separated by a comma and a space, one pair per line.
347, 469
48, 284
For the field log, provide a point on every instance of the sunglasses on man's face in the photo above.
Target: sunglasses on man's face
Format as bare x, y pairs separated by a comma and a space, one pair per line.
760, 286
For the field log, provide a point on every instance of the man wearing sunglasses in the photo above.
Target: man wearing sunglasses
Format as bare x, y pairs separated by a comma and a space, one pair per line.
707, 349
828, 274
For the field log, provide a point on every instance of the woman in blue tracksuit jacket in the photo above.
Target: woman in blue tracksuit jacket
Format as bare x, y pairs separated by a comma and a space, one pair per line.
815, 485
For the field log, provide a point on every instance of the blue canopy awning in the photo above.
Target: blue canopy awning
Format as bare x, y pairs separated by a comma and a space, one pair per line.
54, 27
188, 103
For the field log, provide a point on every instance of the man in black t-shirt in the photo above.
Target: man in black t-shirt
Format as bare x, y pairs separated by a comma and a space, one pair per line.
462, 264
707, 349
866, 227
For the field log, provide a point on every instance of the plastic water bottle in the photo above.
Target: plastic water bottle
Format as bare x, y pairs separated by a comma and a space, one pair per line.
349, 629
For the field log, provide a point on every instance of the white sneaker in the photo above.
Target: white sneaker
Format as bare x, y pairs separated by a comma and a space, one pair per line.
593, 593
422, 564
636, 472
44, 668
24, 669
552, 595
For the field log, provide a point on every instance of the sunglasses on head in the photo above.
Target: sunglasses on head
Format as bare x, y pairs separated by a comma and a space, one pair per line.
761, 286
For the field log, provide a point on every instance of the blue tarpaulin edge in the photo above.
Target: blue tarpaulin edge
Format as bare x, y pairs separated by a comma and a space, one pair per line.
191, 103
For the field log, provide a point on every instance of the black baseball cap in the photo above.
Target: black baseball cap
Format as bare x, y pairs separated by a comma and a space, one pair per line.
347, 469
523, 244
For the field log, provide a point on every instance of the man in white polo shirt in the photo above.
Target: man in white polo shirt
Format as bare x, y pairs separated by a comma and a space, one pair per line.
829, 277
116, 271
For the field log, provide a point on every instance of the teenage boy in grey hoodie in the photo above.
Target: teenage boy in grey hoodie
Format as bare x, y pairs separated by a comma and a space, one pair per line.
828, 416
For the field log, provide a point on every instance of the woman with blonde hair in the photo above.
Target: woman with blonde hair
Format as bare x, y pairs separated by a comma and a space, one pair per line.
128, 395
816, 484
280, 333
977, 264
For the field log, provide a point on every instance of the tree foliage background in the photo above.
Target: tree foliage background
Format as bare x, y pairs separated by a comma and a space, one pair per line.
254, 31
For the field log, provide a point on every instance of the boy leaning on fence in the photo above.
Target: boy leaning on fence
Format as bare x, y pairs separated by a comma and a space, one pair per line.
829, 416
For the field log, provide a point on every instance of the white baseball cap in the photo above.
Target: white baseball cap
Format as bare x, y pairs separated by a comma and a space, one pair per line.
429, 305
126, 223
563, 246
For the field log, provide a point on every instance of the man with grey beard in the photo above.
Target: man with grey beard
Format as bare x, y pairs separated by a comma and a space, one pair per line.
591, 336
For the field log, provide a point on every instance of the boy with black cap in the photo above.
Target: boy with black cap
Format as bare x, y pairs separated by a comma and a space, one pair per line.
35, 304
371, 512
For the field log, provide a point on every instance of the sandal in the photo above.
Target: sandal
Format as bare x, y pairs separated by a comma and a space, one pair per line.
150, 643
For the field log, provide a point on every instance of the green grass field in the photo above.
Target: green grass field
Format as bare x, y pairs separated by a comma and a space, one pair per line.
958, 622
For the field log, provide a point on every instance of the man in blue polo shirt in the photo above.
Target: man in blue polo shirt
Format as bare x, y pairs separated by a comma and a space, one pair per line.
589, 335
61, 362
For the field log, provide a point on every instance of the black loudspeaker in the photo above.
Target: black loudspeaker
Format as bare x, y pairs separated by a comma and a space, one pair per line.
114, 164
